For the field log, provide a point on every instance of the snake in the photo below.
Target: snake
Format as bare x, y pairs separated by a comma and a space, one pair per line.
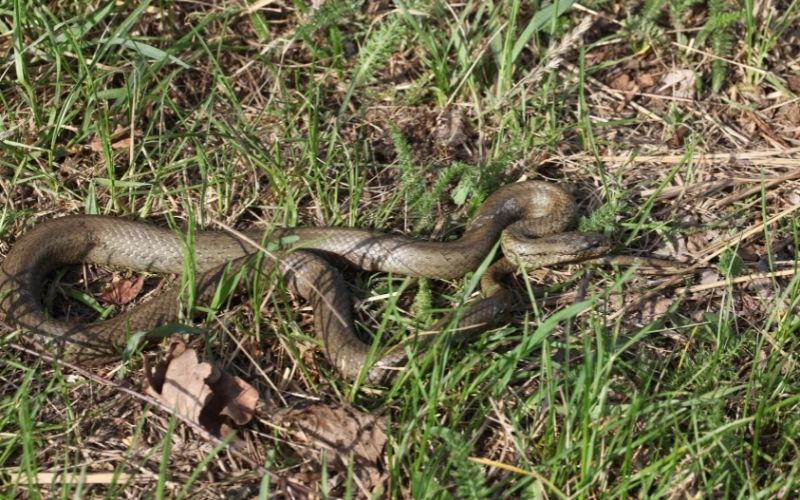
530, 219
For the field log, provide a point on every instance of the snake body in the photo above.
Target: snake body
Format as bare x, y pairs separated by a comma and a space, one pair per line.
529, 217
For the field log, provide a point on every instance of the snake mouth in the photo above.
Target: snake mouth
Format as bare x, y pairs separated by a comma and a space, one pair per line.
573, 243
554, 249
593, 242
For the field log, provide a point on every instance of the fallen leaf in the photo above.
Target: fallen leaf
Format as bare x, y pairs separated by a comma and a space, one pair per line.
709, 276
240, 398
341, 429
124, 143
793, 81
676, 141
645, 80
451, 128
654, 308
200, 391
793, 196
681, 81
122, 291
97, 146
750, 93
621, 82
120, 138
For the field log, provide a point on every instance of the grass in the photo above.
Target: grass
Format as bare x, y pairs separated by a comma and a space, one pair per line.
404, 117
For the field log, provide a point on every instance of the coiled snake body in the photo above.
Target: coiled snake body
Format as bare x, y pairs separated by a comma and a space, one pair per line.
531, 216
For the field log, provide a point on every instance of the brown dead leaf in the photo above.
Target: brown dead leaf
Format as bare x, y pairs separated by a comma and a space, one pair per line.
793, 82
123, 143
681, 81
681, 133
749, 93
451, 128
200, 391
709, 276
97, 146
654, 308
621, 82
120, 138
342, 430
122, 291
645, 80
180, 381
790, 114
240, 397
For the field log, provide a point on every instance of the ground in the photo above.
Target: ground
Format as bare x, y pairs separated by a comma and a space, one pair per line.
676, 125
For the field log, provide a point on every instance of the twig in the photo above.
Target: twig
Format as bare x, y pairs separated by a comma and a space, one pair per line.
713, 250
753, 157
735, 281
718, 247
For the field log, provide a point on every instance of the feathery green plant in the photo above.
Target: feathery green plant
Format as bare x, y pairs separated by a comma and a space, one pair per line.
468, 478
677, 9
719, 32
642, 27
328, 14
376, 51
420, 202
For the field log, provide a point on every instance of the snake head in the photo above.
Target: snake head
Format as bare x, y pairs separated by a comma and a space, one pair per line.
585, 245
553, 249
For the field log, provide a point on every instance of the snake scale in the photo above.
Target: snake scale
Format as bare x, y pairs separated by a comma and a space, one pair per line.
530, 218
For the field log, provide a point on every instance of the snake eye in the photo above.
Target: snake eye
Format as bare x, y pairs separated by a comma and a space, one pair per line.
596, 241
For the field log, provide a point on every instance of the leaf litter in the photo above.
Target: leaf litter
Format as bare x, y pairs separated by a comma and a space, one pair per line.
335, 435
338, 435
200, 391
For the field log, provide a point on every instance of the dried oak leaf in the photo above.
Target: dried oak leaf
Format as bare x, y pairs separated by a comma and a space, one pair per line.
122, 291
341, 429
200, 391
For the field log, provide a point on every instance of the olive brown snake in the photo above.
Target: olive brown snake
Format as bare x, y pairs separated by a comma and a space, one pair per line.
530, 218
